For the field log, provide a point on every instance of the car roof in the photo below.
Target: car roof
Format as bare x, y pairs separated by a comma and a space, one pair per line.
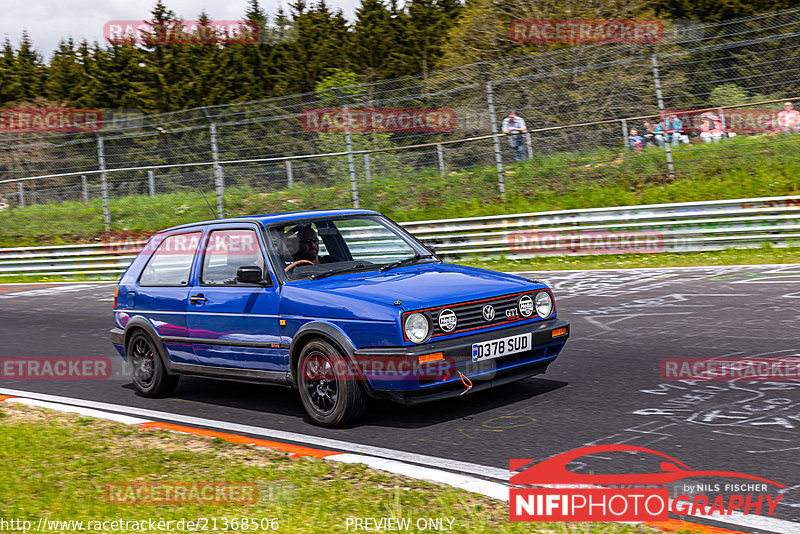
270, 218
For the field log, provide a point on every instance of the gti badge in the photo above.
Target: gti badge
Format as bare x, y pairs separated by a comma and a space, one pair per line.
447, 320
488, 313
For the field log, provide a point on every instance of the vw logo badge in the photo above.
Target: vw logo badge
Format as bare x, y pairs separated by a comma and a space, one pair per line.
488, 313
447, 320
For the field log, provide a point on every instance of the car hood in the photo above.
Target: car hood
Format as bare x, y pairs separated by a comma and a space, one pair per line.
424, 285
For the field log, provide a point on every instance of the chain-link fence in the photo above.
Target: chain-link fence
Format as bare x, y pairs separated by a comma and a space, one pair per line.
416, 140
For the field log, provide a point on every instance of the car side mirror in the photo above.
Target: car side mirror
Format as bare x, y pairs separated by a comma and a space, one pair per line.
249, 274
431, 249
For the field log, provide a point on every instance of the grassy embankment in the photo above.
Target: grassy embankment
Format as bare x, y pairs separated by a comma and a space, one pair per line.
56, 466
751, 167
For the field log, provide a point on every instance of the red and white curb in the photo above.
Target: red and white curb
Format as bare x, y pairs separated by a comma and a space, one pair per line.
398, 462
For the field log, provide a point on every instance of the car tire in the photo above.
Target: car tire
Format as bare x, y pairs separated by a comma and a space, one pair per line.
148, 374
330, 397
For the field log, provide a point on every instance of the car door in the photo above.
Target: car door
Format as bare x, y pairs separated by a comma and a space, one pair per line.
234, 324
161, 294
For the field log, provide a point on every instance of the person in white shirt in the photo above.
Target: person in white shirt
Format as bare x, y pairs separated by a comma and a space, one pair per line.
789, 119
514, 127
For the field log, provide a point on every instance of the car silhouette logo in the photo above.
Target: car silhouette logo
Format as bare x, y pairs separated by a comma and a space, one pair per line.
554, 470
447, 320
488, 313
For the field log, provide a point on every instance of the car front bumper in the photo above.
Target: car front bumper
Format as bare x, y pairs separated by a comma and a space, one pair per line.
404, 380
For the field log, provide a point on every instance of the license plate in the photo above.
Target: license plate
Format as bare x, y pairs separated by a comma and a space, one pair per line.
496, 348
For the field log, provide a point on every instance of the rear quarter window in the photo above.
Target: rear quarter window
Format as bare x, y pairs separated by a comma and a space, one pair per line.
170, 264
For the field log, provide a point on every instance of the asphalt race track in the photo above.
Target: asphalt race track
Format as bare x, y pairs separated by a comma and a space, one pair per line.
605, 388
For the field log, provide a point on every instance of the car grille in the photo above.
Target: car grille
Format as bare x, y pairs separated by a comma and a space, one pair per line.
469, 315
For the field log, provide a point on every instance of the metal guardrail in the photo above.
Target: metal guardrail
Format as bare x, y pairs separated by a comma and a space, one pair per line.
683, 227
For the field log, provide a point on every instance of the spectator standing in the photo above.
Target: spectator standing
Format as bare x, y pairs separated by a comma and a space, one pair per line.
514, 127
635, 141
789, 119
670, 129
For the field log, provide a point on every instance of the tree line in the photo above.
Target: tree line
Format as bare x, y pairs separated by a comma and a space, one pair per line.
300, 47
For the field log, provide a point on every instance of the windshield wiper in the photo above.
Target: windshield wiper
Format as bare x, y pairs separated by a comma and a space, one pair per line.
400, 263
343, 270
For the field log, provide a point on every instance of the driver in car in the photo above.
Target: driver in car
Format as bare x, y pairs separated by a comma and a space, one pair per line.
308, 245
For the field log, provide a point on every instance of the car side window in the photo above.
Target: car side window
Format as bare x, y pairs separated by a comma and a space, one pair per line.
226, 251
171, 262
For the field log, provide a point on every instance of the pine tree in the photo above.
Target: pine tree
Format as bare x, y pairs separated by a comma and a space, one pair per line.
29, 67
373, 41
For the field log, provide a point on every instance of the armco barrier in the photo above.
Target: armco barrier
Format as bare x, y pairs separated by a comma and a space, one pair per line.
684, 227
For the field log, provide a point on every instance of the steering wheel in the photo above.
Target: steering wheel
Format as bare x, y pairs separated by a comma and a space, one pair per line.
295, 264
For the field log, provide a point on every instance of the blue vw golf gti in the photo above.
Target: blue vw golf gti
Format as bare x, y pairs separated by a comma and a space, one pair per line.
343, 305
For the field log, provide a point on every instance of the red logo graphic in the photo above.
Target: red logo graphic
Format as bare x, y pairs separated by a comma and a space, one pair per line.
51, 120
378, 120
184, 32
586, 31
734, 120
588, 502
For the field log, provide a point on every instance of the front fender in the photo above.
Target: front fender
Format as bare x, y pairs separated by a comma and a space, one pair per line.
328, 331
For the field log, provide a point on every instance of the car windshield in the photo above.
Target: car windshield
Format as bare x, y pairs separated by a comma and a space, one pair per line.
317, 248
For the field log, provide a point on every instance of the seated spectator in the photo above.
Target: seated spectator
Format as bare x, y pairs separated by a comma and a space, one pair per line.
648, 134
789, 119
3, 202
711, 127
635, 141
670, 129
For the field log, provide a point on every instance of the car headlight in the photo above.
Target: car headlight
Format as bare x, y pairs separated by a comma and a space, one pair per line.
544, 304
417, 328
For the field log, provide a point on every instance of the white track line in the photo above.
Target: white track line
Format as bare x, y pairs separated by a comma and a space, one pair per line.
375, 457
421, 459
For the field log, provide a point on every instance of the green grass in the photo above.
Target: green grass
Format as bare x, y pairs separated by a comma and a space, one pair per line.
56, 466
747, 166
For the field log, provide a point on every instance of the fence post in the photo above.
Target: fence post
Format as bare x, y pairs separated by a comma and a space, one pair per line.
659, 97
498, 158
625, 134
20, 194
529, 144
151, 183
219, 179
101, 161
289, 174
440, 157
85, 189
367, 168
349, 140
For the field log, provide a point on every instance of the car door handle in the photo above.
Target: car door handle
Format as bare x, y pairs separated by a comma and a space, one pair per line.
194, 299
